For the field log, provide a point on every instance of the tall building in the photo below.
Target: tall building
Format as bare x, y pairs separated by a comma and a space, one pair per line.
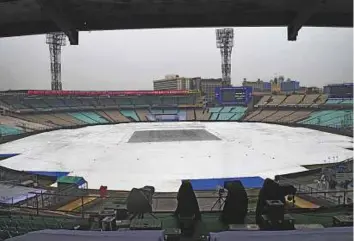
175, 82
258, 86
172, 82
289, 86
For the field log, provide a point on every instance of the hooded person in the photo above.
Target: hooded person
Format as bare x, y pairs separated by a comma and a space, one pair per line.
187, 204
269, 191
236, 204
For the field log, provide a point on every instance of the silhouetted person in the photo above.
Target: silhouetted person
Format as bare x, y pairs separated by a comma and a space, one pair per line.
236, 204
269, 191
187, 204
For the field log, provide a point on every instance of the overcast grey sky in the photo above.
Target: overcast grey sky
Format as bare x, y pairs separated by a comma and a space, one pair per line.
114, 60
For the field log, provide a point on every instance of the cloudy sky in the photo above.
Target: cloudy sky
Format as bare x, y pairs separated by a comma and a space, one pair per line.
114, 60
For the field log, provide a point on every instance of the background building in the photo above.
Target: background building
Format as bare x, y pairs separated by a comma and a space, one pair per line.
175, 82
289, 86
172, 82
339, 90
258, 86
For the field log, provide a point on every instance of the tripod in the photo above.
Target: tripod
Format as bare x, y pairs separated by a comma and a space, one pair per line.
220, 200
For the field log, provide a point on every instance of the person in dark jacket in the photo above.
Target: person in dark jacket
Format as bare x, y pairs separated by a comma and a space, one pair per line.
187, 204
236, 204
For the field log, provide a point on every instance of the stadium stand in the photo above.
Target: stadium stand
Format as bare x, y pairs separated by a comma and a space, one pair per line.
202, 114
18, 123
331, 118
277, 115
276, 100
142, 114
264, 100
321, 99
106, 116
190, 114
295, 116
35, 118
130, 114
67, 118
92, 115
292, 100
9, 130
116, 116
309, 100
262, 115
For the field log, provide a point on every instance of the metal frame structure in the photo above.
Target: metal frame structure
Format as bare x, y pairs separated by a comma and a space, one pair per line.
225, 42
55, 42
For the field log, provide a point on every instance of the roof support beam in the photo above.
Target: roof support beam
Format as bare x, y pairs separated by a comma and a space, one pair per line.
302, 17
58, 16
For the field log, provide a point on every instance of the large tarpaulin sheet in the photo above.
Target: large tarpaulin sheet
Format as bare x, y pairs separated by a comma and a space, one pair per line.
73, 235
208, 184
326, 234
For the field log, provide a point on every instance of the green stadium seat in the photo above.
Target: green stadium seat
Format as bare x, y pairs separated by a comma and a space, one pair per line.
82, 117
226, 109
9, 131
225, 116
215, 109
214, 116
95, 117
130, 114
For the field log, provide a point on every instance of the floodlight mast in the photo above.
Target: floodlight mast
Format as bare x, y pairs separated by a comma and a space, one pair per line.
55, 42
225, 42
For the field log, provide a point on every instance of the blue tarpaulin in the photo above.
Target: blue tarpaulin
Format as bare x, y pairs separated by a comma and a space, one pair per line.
212, 183
49, 174
3, 156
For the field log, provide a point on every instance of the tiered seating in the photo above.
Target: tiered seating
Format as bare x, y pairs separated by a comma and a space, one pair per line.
95, 117
169, 100
295, 116
264, 100
124, 101
116, 116
142, 113
9, 130
37, 119
130, 114
293, 100
238, 112
347, 102
156, 111
202, 114
331, 118
309, 99
276, 100
215, 113
13, 101
63, 118
35, 103
321, 99
18, 123
170, 111
105, 101
72, 102
278, 115
80, 116
105, 115
55, 102
262, 115
88, 102
190, 114
252, 114
333, 101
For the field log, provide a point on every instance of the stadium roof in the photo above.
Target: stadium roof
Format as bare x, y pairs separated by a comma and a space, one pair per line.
25, 17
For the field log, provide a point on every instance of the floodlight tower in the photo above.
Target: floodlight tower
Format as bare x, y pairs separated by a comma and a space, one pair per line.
225, 42
55, 42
